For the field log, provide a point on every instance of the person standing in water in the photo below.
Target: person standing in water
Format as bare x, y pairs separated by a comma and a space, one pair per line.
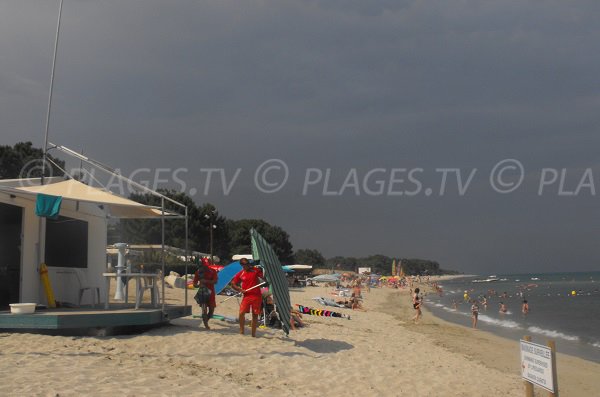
525, 307
474, 313
503, 308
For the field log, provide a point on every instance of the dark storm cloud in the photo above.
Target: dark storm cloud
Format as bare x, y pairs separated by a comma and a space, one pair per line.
331, 84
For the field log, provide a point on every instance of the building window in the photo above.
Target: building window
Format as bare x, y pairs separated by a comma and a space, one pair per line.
66, 242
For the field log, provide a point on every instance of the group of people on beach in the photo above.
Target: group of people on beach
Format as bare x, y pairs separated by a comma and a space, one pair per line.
246, 282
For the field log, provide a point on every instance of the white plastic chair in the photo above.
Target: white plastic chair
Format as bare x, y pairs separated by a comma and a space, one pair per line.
85, 285
149, 283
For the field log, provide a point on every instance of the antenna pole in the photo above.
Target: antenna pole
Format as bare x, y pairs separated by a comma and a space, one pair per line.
50, 94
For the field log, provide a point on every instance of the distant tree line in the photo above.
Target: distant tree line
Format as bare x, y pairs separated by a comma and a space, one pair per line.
381, 264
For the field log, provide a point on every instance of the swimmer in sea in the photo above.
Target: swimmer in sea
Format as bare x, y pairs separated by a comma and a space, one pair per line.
525, 307
503, 308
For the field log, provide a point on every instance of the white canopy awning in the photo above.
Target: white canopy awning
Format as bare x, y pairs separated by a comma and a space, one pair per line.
116, 206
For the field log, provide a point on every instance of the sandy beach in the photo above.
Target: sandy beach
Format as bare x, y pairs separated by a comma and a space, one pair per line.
377, 352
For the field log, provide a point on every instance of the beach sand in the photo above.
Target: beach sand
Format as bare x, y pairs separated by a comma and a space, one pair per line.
377, 352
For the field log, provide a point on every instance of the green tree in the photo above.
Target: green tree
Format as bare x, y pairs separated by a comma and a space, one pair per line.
25, 161
239, 238
309, 257
148, 231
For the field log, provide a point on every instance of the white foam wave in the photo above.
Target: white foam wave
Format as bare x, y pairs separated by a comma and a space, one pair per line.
438, 305
596, 344
552, 333
500, 323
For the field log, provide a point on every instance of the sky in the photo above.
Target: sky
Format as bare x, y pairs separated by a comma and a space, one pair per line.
465, 132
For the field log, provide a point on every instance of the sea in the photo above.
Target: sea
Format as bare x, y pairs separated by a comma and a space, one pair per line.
564, 307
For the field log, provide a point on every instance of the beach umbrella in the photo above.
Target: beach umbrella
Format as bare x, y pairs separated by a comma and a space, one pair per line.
327, 278
226, 275
261, 250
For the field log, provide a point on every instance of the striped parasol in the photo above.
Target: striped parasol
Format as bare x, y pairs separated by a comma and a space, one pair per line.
261, 250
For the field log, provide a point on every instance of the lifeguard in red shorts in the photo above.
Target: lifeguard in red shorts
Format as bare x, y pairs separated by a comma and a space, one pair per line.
206, 277
248, 277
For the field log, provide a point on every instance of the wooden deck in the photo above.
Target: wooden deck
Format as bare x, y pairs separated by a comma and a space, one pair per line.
92, 322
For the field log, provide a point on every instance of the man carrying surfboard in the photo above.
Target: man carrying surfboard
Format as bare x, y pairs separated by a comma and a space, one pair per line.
246, 281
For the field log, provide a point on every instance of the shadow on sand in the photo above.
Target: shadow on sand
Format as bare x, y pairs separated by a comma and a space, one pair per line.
324, 345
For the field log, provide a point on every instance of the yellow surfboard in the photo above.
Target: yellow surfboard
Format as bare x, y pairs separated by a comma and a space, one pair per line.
47, 286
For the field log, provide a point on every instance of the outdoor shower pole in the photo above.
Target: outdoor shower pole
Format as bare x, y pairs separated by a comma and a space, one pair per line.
186, 256
162, 222
122, 247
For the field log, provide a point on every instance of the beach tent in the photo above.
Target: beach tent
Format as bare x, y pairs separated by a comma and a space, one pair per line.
226, 275
261, 250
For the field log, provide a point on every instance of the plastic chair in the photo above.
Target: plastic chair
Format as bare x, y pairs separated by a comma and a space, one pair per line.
85, 285
149, 283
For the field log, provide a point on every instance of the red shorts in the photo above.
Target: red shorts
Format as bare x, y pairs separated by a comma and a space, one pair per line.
251, 300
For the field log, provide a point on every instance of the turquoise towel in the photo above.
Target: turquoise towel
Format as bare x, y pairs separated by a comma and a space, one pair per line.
48, 206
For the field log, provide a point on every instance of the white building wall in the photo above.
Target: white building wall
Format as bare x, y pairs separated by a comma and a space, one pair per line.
64, 282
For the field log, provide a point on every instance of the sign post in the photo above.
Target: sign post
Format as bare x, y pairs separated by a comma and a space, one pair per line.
538, 366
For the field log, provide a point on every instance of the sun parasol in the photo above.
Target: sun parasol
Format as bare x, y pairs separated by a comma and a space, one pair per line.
261, 250
226, 275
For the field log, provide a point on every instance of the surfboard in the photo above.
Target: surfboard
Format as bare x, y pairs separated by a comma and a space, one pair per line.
219, 317
261, 250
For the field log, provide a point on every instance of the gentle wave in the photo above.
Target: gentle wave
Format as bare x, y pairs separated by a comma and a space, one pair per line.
552, 333
500, 323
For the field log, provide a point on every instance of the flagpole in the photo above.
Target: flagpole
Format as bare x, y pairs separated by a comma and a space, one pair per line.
50, 93
42, 220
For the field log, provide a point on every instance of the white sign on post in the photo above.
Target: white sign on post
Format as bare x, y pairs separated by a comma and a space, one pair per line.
536, 365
